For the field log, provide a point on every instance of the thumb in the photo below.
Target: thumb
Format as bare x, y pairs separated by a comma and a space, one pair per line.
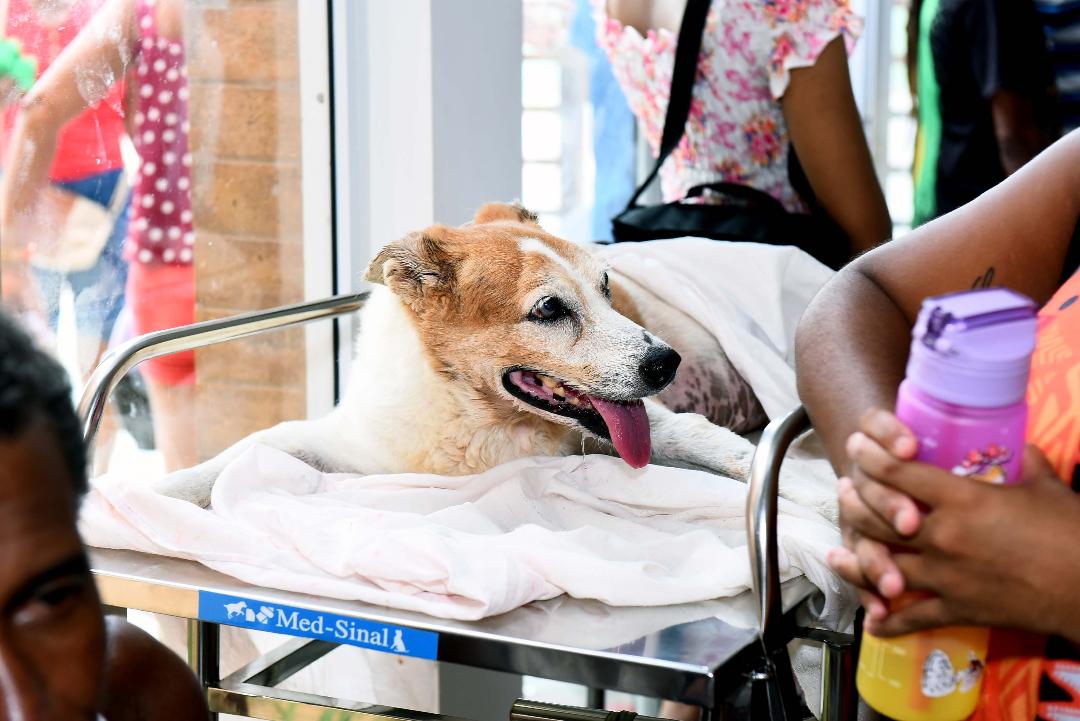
1036, 467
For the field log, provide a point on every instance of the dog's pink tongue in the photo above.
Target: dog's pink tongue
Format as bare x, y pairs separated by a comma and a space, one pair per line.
628, 426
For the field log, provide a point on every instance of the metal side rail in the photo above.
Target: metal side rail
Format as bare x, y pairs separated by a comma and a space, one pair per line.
838, 696
251, 692
119, 361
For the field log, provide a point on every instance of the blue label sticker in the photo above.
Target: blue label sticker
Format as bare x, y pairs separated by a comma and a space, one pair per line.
293, 621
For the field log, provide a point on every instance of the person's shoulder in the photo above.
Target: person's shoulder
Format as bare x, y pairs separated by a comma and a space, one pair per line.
145, 681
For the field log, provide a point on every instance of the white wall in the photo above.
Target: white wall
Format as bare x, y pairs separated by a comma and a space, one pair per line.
476, 86
427, 112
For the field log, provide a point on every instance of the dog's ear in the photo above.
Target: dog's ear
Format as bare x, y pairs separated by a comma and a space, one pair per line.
513, 212
412, 267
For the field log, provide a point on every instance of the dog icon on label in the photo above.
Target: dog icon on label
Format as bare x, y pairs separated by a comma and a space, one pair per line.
398, 645
232, 610
939, 678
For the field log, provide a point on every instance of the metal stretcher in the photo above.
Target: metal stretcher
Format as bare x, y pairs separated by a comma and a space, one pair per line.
708, 655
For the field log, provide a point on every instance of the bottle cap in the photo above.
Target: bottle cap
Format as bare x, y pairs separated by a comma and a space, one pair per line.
974, 348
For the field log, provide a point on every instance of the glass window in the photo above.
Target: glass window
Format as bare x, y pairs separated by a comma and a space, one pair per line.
900, 122
152, 175
558, 171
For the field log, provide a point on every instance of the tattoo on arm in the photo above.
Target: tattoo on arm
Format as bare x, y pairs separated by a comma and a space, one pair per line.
985, 280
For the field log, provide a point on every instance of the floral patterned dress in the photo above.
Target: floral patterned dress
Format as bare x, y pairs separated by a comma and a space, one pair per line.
736, 131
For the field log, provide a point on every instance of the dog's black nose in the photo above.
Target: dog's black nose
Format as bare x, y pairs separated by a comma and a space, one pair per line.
658, 368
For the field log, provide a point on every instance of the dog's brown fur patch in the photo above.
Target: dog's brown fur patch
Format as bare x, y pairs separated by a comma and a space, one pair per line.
466, 287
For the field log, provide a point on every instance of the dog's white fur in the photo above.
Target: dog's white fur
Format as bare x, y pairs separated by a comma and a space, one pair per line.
425, 397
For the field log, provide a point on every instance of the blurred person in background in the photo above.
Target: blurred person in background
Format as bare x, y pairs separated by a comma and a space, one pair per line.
1061, 24
87, 163
983, 91
141, 40
772, 82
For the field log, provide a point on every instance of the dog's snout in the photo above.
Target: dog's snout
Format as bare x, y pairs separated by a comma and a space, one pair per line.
658, 368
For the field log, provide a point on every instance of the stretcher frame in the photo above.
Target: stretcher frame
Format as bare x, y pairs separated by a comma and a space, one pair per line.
700, 662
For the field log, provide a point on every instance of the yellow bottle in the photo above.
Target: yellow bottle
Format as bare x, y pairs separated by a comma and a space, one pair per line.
963, 398
928, 676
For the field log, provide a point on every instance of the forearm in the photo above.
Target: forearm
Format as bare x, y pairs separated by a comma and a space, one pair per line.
1016, 130
79, 77
850, 353
827, 135
1015, 150
30, 157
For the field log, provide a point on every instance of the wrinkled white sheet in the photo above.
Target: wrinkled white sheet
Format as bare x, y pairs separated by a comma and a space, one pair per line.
471, 546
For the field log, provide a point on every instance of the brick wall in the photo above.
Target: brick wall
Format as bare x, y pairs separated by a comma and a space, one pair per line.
243, 69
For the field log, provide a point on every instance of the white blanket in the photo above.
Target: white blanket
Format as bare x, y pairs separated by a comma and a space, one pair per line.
475, 546
749, 296
471, 546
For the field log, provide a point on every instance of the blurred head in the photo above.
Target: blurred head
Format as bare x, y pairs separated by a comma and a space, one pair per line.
52, 636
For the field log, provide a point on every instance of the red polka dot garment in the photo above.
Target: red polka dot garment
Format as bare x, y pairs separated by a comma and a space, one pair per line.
160, 231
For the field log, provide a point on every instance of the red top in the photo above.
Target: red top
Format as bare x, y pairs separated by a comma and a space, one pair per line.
1027, 676
160, 231
90, 143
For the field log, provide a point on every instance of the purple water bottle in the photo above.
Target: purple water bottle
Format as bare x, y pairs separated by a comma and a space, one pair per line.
963, 398
967, 376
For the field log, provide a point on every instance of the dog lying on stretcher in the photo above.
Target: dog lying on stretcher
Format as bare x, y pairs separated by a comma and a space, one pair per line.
495, 341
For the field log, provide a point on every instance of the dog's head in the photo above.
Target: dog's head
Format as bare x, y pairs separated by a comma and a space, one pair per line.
525, 321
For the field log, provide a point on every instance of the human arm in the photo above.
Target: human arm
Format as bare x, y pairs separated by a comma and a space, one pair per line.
1010, 68
79, 77
852, 343
1015, 235
144, 681
1016, 129
827, 134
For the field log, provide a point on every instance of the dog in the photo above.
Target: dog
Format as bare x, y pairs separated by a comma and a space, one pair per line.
495, 340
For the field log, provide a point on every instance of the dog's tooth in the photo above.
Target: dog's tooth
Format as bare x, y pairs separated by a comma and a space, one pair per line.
559, 391
548, 382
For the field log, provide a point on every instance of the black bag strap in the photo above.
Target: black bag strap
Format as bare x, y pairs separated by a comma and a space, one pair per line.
683, 75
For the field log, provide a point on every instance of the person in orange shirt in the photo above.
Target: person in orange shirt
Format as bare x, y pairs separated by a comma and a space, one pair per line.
986, 555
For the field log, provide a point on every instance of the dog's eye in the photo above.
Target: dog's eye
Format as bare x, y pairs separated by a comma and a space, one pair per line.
550, 308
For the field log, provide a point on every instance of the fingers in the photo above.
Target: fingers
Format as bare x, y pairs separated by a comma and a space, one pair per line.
868, 566
876, 510
890, 433
925, 613
846, 565
917, 480
1036, 467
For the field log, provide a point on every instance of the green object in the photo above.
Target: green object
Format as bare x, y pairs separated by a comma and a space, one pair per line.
15, 65
928, 141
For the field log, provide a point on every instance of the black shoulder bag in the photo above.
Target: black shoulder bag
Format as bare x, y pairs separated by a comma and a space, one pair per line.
743, 214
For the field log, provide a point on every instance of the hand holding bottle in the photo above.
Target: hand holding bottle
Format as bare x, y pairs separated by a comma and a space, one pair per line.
989, 555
